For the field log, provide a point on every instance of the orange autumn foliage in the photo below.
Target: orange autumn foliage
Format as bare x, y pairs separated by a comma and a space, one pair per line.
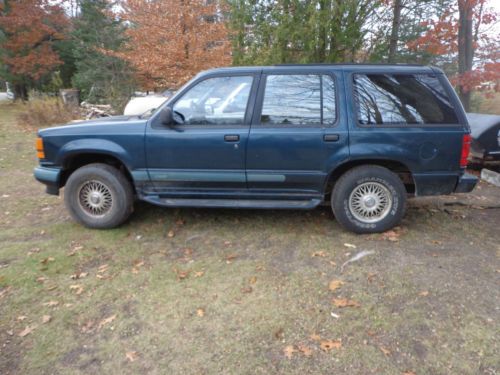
441, 38
171, 40
31, 27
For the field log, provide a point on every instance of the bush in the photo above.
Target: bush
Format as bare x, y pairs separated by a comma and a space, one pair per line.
47, 111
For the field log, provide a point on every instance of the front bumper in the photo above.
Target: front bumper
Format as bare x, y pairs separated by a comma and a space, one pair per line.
51, 177
466, 183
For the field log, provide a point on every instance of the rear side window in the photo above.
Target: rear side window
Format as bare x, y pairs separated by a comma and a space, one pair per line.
392, 99
301, 99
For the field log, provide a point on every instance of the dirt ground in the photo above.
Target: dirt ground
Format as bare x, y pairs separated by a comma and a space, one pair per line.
194, 291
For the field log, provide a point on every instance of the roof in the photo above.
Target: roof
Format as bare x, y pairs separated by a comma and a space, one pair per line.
346, 67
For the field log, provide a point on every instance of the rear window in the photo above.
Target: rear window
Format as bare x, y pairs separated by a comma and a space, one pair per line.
393, 99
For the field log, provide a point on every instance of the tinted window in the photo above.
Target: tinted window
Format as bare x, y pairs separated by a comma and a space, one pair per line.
215, 101
402, 99
296, 100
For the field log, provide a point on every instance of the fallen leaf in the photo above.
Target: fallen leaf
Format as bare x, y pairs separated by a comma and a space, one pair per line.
180, 222
79, 275
386, 351
409, 373
41, 279
200, 313
247, 289
106, 321
253, 280
20, 318
318, 254
77, 288
350, 245
335, 284
315, 337
138, 263
278, 334
288, 351
307, 351
171, 234
46, 319
391, 235
51, 303
199, 274
230, 258
102, 268
47, 260
4, 291
344, 302
87, 326
327, 345
26, 331
424, 293
132, 356
181, 275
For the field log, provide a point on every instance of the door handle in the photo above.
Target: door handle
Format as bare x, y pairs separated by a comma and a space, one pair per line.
231, 138
331, 137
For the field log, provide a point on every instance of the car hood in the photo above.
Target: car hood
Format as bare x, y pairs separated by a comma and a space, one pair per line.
96, 126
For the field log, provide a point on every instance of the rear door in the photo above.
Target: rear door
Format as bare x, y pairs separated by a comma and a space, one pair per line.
296, 132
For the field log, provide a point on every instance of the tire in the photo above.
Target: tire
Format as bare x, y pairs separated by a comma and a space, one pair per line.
369, 199
98, 196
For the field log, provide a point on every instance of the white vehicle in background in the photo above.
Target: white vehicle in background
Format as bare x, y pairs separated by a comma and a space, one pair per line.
7, 94
141, 103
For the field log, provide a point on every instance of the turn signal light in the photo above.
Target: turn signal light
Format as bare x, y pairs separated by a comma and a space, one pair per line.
39, 148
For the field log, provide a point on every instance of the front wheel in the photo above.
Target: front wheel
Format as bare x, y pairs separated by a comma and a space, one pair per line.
98, 196
369, 199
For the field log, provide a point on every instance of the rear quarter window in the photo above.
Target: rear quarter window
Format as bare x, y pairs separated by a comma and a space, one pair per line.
402, 99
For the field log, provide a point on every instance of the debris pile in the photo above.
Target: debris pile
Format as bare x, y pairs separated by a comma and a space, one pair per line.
91, 111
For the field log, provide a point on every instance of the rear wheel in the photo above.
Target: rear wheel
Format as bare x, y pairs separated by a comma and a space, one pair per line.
98, 196
369, 199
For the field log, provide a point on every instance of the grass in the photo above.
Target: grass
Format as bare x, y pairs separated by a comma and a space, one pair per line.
232, 289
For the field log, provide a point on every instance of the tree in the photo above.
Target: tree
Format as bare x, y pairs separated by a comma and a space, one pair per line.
169, 41
463, 47
297, 31
99, 75
30, 28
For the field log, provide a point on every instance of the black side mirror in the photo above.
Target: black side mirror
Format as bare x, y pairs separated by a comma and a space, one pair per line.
166, 116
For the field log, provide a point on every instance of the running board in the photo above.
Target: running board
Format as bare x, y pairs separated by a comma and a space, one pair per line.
233, 203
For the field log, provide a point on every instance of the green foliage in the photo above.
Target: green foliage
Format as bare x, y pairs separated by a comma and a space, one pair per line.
99, 76
295, 31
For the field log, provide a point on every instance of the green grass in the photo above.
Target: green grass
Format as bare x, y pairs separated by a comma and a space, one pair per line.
252, 274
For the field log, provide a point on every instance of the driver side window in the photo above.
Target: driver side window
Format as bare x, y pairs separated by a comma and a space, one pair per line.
215, 101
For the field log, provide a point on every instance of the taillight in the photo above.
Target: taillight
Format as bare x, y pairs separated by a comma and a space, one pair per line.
465, 150
39, 148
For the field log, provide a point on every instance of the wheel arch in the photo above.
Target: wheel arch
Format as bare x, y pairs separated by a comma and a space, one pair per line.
77, 160
401, 169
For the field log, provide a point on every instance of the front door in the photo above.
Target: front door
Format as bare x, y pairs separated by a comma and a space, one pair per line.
203, 154
296, 135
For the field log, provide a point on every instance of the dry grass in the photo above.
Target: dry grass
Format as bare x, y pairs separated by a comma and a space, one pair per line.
47, 111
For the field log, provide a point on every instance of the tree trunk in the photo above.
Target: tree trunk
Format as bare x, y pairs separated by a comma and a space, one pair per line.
20, 92
396, 21
465, 48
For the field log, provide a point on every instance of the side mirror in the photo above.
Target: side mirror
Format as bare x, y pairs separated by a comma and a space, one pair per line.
166, 116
